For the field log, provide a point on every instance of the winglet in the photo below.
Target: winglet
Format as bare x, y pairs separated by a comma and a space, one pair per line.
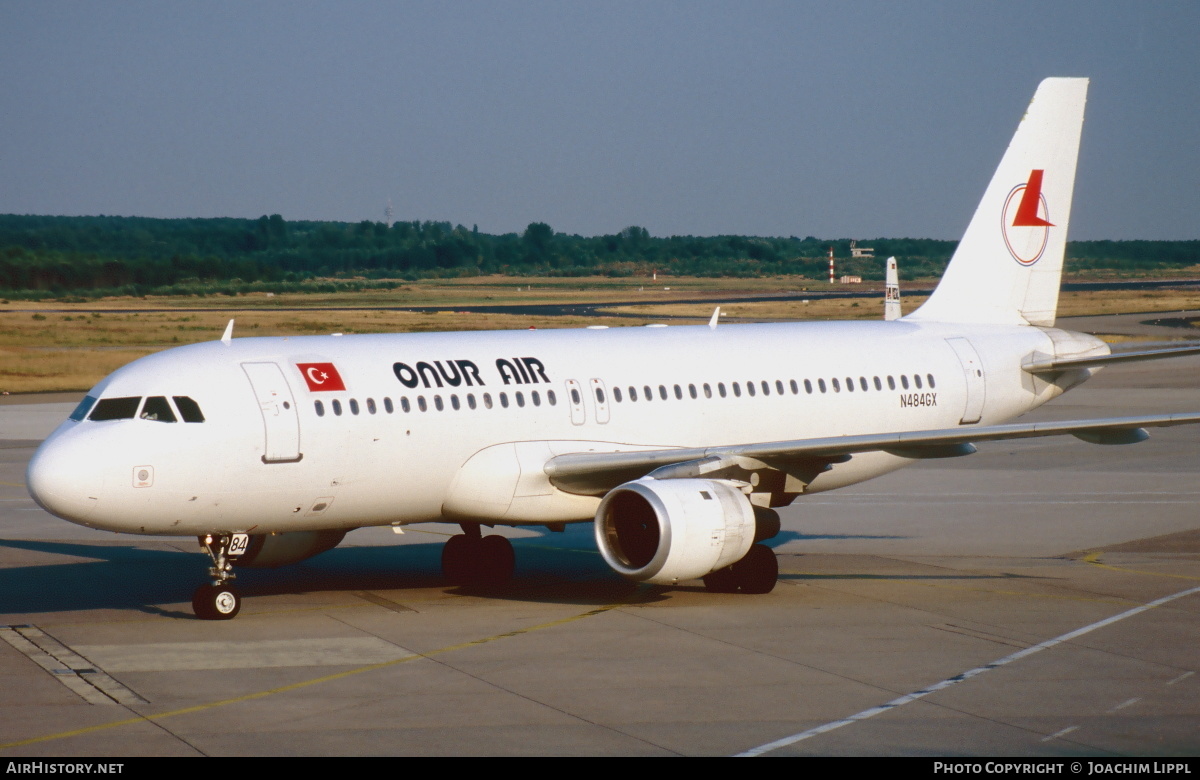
712, 323
228, 335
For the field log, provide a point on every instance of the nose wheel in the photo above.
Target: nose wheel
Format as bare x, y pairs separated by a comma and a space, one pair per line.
217, 600
470, 558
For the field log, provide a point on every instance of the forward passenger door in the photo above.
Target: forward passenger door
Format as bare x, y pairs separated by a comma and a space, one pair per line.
281, 423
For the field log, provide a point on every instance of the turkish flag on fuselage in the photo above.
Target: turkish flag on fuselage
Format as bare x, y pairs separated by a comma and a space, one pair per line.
321, 376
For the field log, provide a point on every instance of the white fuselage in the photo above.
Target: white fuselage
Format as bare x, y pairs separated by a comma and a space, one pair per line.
264, 460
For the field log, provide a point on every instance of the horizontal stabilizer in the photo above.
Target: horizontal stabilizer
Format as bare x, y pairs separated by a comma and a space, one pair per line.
1045, 364
594, 473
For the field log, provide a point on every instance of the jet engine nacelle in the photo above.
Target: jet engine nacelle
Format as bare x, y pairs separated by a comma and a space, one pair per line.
266, 551
665, 531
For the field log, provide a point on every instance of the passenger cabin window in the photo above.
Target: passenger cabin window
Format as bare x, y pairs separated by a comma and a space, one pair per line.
115, 409
320, 407
156, 409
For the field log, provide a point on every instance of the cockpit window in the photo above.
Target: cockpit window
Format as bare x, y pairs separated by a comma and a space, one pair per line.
188, 409
84, 407
158, 410
115, 409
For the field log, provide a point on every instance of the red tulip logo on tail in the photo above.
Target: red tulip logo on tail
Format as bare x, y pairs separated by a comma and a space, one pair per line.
321, 376
1025, 220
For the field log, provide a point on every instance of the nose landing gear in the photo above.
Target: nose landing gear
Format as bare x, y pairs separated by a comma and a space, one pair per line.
218, 600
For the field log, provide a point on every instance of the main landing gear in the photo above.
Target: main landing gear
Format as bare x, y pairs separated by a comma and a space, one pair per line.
470, 558
217, 600
755, 573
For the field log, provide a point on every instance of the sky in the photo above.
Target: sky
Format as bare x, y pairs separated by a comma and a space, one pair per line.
849, 119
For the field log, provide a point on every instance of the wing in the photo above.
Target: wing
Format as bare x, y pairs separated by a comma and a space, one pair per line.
595, 473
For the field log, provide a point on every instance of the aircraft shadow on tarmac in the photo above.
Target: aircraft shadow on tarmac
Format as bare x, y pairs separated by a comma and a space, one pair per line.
138, 577
558, 568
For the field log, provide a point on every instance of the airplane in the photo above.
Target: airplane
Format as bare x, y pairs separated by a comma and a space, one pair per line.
678, 443
891, 291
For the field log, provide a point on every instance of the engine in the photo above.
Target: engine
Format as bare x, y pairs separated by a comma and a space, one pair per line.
665, 531
266, 551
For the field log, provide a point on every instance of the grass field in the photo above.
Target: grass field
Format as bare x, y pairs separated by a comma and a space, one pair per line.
51, 346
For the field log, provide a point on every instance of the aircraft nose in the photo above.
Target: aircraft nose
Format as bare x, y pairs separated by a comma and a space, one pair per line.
65, 479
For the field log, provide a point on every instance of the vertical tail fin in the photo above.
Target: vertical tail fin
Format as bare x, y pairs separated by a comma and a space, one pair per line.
1008, 266
891, 291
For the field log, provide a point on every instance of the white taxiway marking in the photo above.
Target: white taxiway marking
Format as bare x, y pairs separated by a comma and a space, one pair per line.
1180, 678
1126, 703
1058, 734
266, 653
911, 697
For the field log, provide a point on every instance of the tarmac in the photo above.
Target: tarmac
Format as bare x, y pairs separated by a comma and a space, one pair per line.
1040, 598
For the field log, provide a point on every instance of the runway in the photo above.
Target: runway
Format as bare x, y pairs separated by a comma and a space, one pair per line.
1034, 599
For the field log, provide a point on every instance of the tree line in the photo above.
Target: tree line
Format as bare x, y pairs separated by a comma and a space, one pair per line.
104, 255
